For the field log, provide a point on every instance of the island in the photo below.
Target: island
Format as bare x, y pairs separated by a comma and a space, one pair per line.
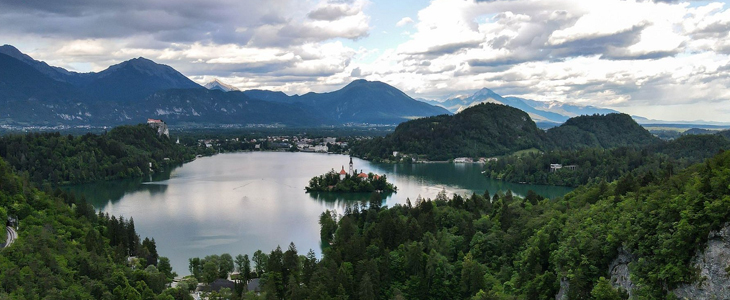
350, 182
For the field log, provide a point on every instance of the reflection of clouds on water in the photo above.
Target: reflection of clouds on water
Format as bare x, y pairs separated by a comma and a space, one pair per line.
242, 202
201, 242
242, 186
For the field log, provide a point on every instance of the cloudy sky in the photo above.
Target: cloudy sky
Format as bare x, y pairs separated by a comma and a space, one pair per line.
664, 59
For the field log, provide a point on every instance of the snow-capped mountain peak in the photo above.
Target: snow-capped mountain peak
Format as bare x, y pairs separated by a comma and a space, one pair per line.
219, 85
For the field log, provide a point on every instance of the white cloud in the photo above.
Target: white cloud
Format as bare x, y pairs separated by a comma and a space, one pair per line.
623, 54
606, 53
403, 22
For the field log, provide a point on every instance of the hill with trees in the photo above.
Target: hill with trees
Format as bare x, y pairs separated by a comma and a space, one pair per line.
596, 164
490, 129
123, 152
600, 131
482, 130
65, 250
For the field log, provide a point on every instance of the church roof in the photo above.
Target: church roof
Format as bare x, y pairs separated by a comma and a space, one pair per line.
343, 171
362, 175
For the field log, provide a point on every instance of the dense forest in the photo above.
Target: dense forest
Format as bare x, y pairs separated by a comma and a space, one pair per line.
489, 129
123, 152
483, 130
504, 247
65, 250
331, 182
595, 164
600, 131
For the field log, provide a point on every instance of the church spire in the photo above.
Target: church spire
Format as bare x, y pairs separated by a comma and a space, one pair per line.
352, 171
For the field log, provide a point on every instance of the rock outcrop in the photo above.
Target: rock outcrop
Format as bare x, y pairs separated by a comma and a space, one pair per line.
619, 272
564, 287
713, 265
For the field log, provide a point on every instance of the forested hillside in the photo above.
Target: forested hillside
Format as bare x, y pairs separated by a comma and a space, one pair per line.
595, 164
491, 129
65, 250
600, 131
483, 130
513, 248
123, 152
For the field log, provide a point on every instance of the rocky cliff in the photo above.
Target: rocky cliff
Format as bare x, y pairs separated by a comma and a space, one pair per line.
713, 264
619, 272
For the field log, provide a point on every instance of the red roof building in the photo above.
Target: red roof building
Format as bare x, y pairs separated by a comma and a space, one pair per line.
362, 175
343, 171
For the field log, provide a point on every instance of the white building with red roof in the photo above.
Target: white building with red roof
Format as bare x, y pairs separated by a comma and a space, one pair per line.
343, 173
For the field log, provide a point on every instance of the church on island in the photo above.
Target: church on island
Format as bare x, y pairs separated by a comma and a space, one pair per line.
351, 181
343, 174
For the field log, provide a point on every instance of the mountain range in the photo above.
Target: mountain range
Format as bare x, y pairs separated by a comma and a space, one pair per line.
36, 93
361, 101
544, 113
547, 114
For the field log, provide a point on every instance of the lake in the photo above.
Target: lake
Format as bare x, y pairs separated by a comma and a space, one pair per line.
238, 203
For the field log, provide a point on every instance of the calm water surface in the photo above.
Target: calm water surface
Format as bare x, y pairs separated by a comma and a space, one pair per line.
240, 202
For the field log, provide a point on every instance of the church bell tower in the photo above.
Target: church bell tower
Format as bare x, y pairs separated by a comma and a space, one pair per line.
352, 171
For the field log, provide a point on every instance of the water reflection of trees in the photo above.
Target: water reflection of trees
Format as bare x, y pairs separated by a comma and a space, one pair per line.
343, 200
463, 176
102, 192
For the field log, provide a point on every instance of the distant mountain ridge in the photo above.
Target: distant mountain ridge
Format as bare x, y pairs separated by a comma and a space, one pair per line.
56, 73
127, 81
364, 101
550, 113
360, 101
132, 91
135, 79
